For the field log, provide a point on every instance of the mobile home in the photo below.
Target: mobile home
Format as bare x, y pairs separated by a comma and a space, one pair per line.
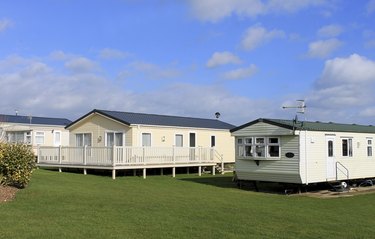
34, 131
303, 152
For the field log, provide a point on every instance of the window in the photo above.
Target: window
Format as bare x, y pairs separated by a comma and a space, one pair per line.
240, 147
213, 141
179, 140
39, 137
273, 147
259, 147
19, 137
248, 147
369, 147
330, 148
57, 138
83, 139
347, 147
146, 139
114, 139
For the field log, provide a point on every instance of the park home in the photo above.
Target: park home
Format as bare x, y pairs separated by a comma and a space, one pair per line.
33, 130
302, 152
123, 140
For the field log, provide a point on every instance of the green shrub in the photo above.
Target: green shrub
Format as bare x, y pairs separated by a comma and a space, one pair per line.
17, 162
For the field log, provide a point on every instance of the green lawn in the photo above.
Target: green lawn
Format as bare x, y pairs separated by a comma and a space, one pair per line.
68, 205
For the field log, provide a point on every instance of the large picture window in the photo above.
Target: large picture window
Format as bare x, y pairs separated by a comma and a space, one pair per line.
19, 137
114, 139
83, 139
347, 147
259, 147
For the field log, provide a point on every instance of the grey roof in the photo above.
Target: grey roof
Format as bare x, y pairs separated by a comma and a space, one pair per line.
313, 126
20, 119
129, 118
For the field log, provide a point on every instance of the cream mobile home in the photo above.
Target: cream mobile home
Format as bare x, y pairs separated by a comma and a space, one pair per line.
33, 130
301, 152
123, 140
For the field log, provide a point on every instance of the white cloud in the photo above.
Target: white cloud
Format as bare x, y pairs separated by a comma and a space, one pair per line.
4, 24
257, 35
344, 90
80, 64
240, 73
323, 48
108, 53
215, 10
40, 88
332, 30
370, 7
223, 58
354, 69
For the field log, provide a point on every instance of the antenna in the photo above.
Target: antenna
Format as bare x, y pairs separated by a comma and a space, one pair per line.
301, 107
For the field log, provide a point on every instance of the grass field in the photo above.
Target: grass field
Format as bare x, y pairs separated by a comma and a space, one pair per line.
68, 205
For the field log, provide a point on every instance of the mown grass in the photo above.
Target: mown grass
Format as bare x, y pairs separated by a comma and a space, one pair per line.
67, 205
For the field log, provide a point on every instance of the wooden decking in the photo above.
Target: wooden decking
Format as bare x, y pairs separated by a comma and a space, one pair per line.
124, 158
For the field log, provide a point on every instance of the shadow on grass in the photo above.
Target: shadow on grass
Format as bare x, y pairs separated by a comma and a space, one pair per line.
217, 181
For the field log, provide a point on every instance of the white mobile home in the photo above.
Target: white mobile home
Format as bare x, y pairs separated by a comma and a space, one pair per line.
33, 130
303, 152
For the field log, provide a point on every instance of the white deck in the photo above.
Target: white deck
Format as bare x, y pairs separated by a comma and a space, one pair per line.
122, 158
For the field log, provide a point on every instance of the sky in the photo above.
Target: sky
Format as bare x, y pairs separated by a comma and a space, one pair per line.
243, 58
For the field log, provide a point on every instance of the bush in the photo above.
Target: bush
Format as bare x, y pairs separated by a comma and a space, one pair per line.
17, 162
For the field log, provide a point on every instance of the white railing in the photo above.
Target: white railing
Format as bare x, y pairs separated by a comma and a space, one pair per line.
123, 156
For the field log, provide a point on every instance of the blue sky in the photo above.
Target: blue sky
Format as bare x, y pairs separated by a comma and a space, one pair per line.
242, 58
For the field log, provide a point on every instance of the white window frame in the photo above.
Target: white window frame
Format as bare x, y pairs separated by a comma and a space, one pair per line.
215, 141
39, 135
269, 144
369, 147
182, 140
349, 149
55, 132
244, 143
83, 139
114, 138
146, 133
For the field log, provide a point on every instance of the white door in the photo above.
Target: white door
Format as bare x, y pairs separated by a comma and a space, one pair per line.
330, 155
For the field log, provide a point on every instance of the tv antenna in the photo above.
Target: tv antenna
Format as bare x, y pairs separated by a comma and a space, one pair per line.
301, 107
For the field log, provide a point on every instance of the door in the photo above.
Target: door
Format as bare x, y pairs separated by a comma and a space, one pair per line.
330, 156
192, 146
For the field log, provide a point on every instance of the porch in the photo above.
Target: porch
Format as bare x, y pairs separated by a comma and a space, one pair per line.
122, 158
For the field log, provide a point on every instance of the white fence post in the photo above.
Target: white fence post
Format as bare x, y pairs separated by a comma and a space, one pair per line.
38, 154
60, 156
84, 154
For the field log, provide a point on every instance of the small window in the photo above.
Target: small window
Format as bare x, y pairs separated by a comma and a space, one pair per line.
330, 148
347, 147
179, 140
57, 138
146, 139
260, 147
369, 147
213, 141
239, 141
39, 137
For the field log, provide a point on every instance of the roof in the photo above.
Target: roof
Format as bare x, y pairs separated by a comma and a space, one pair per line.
312, 126
129, 118
19, 119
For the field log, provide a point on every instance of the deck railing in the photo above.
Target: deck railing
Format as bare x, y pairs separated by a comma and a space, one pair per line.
126, 156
